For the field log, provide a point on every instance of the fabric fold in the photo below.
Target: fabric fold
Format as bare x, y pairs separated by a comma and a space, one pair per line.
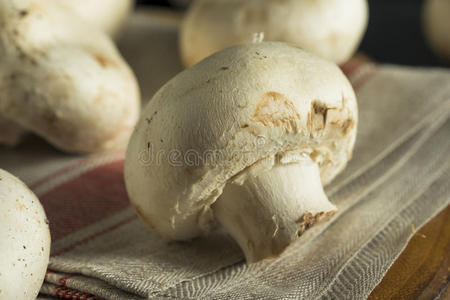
397, 177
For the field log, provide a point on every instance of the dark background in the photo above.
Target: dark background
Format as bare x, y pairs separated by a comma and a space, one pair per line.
394, 34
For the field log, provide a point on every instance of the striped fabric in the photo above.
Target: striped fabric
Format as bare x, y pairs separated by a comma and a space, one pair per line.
101, 250
398, 177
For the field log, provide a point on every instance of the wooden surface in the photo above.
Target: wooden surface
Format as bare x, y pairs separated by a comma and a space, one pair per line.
423, 269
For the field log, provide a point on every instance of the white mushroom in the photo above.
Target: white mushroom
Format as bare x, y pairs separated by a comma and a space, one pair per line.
62, 79
24, 240
331, 29
108, 15
436, 17
247, 137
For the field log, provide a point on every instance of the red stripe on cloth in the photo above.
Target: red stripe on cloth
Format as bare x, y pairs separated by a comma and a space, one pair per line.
70, 167
93, 236
352, 66
86, 199
64, 293
364, 79
63, 280
58, 173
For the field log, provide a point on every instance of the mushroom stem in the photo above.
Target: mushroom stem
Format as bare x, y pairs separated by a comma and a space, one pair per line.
266, 210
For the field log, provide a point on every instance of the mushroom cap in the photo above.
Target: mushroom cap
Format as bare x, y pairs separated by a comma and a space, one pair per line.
25, 240
331, 29
64, 80
436, 18
225, 114
108, 15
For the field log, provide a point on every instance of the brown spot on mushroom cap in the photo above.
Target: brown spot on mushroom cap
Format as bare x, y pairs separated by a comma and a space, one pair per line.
23, 13
345, 125
104, 94
20, 206
104, 62
317, 118
308, 220
319, 115
276, 110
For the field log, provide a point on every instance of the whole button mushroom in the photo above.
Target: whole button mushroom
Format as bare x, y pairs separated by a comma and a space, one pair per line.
108, 15
62, 79
331, 29
246, 137
436, 18
24, 240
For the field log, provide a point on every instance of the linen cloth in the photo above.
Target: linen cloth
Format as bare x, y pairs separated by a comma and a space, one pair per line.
398, 177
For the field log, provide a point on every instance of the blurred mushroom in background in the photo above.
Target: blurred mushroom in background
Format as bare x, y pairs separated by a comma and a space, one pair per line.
62, 79
436, 21
332, 29
108, 15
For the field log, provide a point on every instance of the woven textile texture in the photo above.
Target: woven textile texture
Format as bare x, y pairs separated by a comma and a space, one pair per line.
398, 177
